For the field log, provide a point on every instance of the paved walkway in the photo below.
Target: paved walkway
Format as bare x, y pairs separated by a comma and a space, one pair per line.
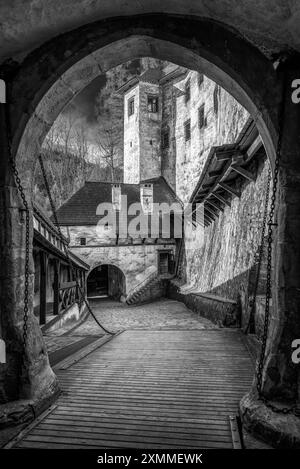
161, 314
115, 316
171, 380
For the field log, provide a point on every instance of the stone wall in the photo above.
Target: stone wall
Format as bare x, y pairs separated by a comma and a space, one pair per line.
137, 261
224, 119
149, 132
224, 263
131, 139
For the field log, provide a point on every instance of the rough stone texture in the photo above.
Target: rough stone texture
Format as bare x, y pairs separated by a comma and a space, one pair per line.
142, 158
253, 81
132, 138
280, 430
222, 264
222, 126
143, 259
272, 24
161, 314
224, 314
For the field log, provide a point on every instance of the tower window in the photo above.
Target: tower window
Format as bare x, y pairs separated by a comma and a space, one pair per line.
201, 117
200, 79
188, 91
152, 104
165, 139
130, 107
82, 241
187, 130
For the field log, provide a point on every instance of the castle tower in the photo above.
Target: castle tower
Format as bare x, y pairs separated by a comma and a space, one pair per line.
142, 127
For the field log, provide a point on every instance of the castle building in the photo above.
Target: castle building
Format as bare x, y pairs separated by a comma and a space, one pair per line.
172, 119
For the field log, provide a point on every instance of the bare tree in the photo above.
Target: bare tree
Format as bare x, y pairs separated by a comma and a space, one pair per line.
108, 141
65, 152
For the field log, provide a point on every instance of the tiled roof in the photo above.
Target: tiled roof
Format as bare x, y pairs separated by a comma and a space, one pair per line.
80, 209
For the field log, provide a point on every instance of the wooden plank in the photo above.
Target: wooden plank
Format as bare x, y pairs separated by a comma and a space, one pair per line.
221, 199
229, 189
243, 172
145, 389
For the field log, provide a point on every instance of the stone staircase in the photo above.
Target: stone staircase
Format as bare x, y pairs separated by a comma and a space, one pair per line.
153, 288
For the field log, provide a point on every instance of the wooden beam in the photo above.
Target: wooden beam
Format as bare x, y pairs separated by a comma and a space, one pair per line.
210, 211
254, 148
43, 286
217, 207
56, 284
229, 189
206, 186
243, 172
221, 199
213, 174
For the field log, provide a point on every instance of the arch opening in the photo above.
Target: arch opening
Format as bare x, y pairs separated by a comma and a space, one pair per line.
106, 281
188, 45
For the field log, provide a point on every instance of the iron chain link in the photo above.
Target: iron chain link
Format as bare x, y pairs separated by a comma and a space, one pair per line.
271, 224
27, 234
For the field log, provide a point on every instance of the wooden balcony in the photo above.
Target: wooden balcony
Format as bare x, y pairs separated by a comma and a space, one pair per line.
226, 165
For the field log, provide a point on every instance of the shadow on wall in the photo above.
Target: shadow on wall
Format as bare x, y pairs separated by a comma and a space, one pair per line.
228, 304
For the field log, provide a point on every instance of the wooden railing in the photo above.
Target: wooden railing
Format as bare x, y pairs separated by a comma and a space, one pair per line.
68, 295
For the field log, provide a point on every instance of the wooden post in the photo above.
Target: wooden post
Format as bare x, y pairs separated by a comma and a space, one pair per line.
56, 285
43, 286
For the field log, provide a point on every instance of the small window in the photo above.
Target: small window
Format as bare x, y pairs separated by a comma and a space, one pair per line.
130, 107
187, 91
82, 241
152, 104
130, 144
165, 139
187, 130
200, 79
151, 142
201, 117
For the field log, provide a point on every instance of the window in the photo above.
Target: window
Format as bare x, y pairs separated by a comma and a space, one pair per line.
165, 262
187, 91
165, 139
201, 117
200, 79
152, 104
187, 130
130, 107
82, 241
151, 142
116, 196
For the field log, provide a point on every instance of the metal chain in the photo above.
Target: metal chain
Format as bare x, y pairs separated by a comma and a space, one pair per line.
271, 224
66, 249
260, 253
27, 232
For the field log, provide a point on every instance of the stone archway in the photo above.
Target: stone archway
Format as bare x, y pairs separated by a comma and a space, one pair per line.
106, 281
50, 76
